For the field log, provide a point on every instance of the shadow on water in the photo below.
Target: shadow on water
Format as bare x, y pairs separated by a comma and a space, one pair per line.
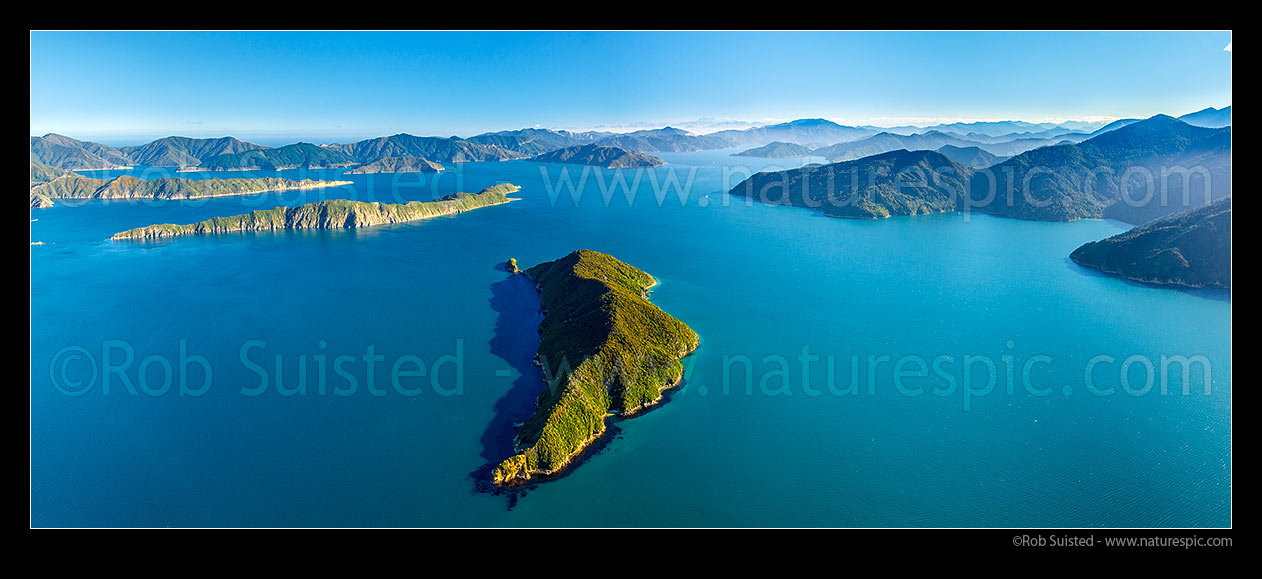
1208, 293
515, 339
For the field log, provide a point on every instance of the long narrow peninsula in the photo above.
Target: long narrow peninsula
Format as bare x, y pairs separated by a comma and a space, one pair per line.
331, 214
605, 350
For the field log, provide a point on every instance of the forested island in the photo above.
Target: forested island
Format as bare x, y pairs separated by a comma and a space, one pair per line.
605, 350
330, 214
1191, 248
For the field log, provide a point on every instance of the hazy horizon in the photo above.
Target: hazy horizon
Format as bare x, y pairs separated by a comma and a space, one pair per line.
345, 86
279, 139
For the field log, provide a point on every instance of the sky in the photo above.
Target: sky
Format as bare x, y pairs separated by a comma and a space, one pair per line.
280, 86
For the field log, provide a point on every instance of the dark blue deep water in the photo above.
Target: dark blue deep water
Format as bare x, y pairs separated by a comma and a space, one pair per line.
764, 432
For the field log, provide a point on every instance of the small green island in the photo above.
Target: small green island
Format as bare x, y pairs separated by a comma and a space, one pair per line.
605, 350
406, 164
331, 214
70, 185
886, 185
1191, 248
599, 156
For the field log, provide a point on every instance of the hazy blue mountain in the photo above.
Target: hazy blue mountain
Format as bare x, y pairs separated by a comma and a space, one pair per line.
66, 153
305, 155
988, 128
1210, 117
776, 150
185, 151
1110, 175
886, 142
1189, 248
668, 139
41, 173
894, 183
537, 141
599, 156
438, 149
974, 157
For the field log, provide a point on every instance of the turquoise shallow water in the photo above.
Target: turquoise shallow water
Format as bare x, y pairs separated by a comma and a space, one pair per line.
758, 283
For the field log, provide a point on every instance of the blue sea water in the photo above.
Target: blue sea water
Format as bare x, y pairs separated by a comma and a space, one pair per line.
755, 437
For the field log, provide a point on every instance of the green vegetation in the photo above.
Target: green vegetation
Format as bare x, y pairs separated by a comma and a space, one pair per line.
440, 149
304, 155
894, 183
1190, 248
331, 214
185, 151
776, 150
75, 186
397, 165
599, 156
604, 348
974, 157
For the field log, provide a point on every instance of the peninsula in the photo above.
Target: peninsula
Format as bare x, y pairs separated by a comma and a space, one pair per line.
886, 185
406, 164
331, 214
776, 150
1191, 248
599, 156
605, 349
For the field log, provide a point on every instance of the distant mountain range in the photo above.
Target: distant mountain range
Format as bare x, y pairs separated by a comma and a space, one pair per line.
885, 185
185, 151
397, 165
972, 157
820, 137
1135, 173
